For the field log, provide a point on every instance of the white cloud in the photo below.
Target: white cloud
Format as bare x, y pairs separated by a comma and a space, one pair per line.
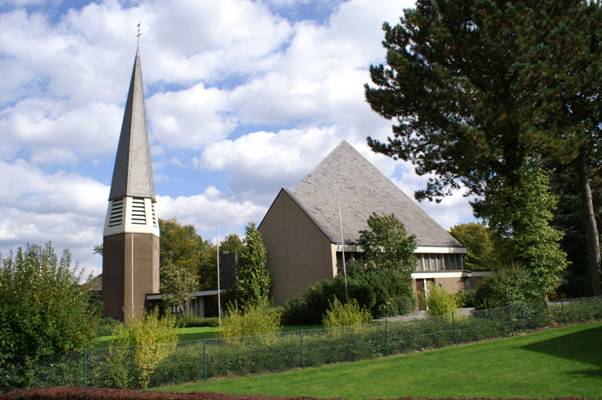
46, 127
190, 118
209, 210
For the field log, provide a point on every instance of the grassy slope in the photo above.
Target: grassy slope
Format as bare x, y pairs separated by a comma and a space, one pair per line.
555, 362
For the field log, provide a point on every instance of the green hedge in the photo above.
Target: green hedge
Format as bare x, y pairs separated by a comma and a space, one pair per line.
216, 358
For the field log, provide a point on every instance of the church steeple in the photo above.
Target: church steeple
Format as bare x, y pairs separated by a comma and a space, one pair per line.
131, 231
133, 172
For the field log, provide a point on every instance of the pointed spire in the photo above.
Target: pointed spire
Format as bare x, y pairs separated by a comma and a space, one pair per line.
133, 172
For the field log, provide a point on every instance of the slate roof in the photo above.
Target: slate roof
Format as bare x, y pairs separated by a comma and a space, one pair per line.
133, 171
345, 176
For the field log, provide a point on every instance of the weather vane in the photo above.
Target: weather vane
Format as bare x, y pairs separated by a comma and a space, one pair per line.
138, 35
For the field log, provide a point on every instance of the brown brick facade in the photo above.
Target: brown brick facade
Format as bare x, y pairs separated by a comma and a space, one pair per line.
299, 254
129, 262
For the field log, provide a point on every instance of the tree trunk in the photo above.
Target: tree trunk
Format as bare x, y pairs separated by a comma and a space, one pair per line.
592, 237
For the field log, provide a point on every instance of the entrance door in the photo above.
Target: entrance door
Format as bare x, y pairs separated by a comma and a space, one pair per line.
422, 287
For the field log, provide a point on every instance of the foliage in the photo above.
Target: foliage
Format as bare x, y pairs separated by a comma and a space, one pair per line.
562, 92
180, 252
481, 254
194, 360
470, 122
520, 210
259, 319
387, 245
508, 286
440, 302
44, 311
231, 244
340, 315
253, 280
383, 293
106, 326
138, 348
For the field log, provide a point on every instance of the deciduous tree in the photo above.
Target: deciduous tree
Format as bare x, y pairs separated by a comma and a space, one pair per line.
253, 280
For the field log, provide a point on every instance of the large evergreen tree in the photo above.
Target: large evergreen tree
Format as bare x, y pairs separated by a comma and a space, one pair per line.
560, 74
454, 83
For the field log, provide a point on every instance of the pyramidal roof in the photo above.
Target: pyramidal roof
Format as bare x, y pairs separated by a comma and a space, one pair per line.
345, 176
133, 171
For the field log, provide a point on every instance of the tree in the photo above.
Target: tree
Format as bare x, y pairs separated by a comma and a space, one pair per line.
253, 280
521, 215
450, 85
387, 245
569, 219
181, 249
454, 85
560, 72
479, 240
231, 244
44, 311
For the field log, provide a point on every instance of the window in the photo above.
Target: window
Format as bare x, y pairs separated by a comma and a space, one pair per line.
439, 262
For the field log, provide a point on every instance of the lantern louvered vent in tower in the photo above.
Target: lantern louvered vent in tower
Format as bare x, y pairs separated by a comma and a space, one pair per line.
116, 216
154, 215
138, 211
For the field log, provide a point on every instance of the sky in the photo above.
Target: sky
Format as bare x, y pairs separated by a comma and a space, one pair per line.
243, 98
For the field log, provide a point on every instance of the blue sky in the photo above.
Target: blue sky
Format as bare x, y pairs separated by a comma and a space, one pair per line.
243, 97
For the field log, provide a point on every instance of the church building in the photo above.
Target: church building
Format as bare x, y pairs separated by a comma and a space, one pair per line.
130, 264
302, 229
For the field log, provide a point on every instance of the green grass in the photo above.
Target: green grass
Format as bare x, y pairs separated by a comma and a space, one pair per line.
551, 363
199, 333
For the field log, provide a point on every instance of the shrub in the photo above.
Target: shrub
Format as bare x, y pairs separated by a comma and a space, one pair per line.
260, 320
138, 348
383, 293
345, 314
507, 286
44, 312
440, 302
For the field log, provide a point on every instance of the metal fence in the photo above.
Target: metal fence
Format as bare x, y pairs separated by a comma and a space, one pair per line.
204, 359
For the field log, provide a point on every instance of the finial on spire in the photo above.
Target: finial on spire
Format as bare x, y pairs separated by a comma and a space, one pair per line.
138, 36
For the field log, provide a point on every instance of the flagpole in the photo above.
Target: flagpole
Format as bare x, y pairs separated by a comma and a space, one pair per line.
219, 294
343, 249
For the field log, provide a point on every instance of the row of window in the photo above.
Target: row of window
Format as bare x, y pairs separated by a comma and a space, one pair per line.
424, 262
439, 262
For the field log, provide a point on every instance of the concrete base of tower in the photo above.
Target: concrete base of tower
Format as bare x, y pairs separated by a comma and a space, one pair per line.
130, 271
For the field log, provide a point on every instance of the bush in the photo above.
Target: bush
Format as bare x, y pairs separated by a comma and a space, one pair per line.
505, 287
260, 320
439, 302
44, 312
382, 293
344, 315
138, 348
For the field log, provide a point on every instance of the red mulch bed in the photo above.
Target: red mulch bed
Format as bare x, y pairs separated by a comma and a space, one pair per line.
66, 393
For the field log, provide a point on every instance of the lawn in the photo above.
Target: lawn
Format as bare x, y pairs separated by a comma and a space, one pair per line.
551, 363
199, 333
